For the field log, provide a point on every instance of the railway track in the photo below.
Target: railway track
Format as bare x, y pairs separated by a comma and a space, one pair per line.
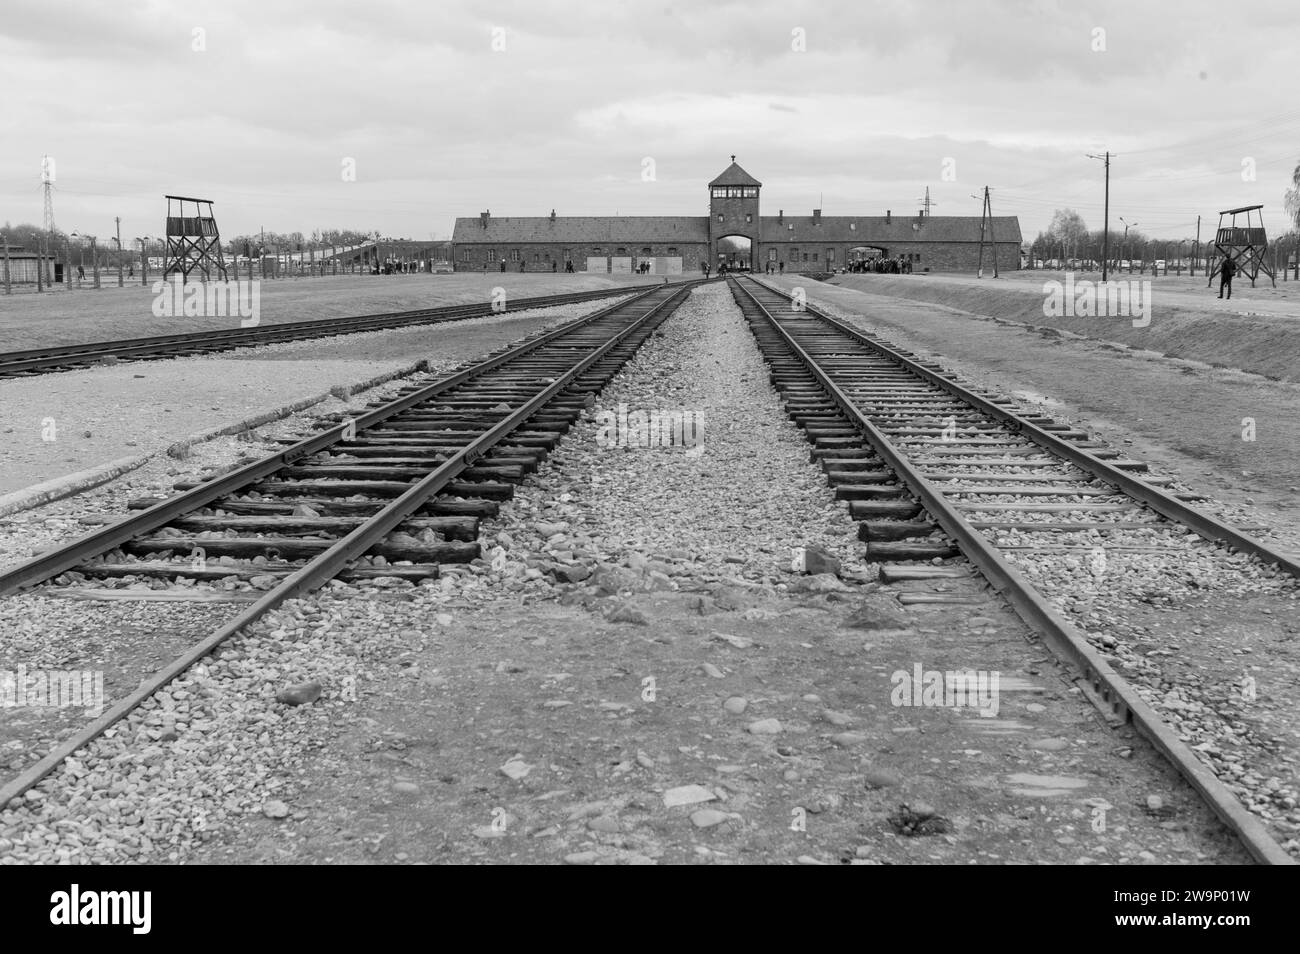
36, 361
932, 470
396, 492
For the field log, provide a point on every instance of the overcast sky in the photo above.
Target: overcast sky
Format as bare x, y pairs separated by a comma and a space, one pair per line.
259, 105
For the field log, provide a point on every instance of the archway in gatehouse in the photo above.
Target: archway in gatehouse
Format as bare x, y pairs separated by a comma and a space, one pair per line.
862, 258
734, 254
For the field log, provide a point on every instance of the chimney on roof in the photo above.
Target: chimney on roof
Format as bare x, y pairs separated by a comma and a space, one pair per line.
817, 216
888, 216
780, 216
483, 218
552, 216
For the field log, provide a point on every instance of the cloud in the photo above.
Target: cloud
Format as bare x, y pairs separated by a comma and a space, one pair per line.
441, 124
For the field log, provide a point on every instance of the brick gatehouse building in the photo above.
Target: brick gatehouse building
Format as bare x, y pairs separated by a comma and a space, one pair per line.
732, 232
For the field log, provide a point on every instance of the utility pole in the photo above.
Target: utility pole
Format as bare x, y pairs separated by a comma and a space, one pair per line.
1197, 249
118, 220
1127, 226
47, 182
927, 202
1105, 227
986, 228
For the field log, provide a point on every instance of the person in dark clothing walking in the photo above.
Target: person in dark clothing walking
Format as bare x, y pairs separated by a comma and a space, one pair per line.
1226, 271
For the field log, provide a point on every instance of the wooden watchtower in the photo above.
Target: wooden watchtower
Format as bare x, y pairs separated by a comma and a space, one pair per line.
193, 241
1244, 244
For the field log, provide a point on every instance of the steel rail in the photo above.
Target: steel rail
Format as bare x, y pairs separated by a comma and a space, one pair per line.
1068, 642
54, 562
224, 339
327, 564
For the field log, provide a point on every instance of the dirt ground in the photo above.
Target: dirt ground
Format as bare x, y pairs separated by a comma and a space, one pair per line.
1185, 289
420, 769
105, 413
78, 316
1255, 331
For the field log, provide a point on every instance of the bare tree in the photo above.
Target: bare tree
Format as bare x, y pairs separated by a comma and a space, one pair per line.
1068, 229
1293, 197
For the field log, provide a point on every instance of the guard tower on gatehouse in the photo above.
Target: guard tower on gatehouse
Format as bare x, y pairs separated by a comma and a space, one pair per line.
733, 218
1243, 243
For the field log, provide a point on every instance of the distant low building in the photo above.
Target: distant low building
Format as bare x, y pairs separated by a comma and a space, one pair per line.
23, 265
733, 233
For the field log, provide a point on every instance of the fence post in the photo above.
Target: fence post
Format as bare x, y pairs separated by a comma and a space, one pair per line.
4, 241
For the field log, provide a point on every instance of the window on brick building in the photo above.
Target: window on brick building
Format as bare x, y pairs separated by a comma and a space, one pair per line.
771, 255
514, 255
794, 255
564, 254
464, 255
646, 250
830, 255
620, 251
672, 249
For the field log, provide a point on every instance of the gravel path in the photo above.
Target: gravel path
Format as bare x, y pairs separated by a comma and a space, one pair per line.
647, 499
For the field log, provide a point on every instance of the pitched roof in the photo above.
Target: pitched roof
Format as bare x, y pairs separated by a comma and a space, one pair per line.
873, 228
584, 229
670, 229
733, 175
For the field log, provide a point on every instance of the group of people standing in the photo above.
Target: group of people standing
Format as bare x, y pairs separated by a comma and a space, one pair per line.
882, 266
395, 268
